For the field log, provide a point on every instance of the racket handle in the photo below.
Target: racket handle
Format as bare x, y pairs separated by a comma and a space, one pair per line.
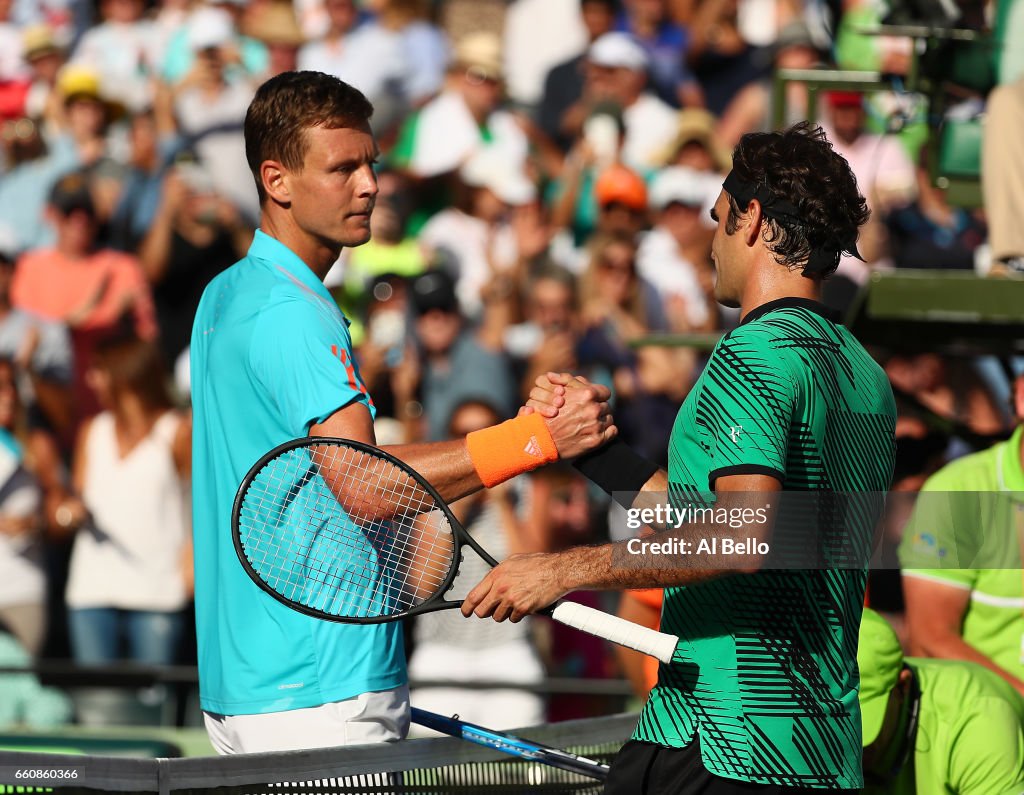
633, 636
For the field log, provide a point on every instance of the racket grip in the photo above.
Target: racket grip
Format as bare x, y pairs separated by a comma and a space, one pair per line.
660, 645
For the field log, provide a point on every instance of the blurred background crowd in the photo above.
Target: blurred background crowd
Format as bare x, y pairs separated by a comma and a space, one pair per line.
547, 171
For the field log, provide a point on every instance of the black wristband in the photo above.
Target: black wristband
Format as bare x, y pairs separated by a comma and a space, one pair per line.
617, 468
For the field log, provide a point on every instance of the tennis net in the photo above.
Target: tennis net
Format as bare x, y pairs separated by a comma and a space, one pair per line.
435, 766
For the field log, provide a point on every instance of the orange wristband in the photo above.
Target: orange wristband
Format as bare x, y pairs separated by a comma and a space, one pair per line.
511, 448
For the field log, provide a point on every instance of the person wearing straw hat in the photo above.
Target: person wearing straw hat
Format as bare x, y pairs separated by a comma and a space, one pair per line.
935, 726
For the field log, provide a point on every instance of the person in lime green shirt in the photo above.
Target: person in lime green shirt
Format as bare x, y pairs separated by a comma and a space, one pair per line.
935, 727
961, 559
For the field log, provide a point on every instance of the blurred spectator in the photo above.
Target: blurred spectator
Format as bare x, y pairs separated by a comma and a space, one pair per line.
245, 56
884, 171
563, 106
447, 647
961, 559
11, 64
44, 57
666, 43
935, 726
465, 117
728, 68
22, 572
275, 26
596, 154
168, 21
397, 59
34, 166
195, 234
390, 251
675, 256
130, 572
388, 363
951, 388
930, 232
93, 291
649, 383
41, 352
538, 34
210, 104
1002, 161
24, 702
454, 363
331, 54
697, 145
86, 120
150, 150
617, 73
475, 239
622, 202
121, 50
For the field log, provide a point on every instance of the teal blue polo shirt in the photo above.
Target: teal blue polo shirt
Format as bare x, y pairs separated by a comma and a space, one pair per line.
271, 356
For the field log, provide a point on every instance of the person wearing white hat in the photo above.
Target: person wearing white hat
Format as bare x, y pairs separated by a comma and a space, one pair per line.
467, 116
675, 256
476, 233
617, 67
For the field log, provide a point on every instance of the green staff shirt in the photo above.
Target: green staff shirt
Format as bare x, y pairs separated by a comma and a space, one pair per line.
766, 668
972, 511
970, 735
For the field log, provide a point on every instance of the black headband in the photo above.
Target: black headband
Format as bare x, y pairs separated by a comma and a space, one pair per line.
774, 206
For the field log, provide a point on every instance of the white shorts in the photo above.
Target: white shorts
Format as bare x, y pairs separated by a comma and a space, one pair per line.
516, 663
366, 718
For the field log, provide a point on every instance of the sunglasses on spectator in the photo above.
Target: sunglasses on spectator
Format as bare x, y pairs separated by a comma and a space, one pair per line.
617, 205
478, 76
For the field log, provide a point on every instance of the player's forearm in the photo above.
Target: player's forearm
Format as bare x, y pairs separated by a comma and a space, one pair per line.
447, 466
613, 567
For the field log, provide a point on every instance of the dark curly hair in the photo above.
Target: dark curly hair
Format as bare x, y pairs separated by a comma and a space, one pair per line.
800, 165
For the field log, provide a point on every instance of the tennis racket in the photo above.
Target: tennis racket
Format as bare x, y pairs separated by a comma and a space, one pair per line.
343, 531
510, 744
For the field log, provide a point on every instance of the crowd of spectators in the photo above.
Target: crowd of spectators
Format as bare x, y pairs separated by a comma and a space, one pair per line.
546, 175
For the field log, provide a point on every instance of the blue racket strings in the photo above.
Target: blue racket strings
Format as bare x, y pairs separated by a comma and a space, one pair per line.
345, 533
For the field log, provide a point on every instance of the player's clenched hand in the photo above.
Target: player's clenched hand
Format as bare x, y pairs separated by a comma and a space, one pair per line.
583, 421
520, 585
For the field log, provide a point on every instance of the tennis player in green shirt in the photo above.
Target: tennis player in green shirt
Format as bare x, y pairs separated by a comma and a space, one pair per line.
762, 693
935, 727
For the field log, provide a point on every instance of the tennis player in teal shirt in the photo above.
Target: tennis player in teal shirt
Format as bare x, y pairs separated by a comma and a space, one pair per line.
271, 360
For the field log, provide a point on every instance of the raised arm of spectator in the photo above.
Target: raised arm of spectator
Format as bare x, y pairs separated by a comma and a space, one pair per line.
155, 249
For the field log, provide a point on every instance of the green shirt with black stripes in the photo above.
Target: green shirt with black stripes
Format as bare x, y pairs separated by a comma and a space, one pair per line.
766, 668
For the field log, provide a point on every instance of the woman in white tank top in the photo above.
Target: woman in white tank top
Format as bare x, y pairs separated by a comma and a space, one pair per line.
130, 576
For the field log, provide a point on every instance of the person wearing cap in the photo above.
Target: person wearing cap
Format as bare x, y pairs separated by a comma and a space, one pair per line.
621, 197
467, 116
563, 105
44, 57
245, 56
935, 726
454, 361
276, 26
271, 360
765, 673
617, 68
696, 145
883, 169
961, 558
209, 106
476, 233
675, 255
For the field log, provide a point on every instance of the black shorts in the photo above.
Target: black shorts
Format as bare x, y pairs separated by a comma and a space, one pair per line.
647, 769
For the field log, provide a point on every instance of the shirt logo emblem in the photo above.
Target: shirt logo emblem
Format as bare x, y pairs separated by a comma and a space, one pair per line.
735, 432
